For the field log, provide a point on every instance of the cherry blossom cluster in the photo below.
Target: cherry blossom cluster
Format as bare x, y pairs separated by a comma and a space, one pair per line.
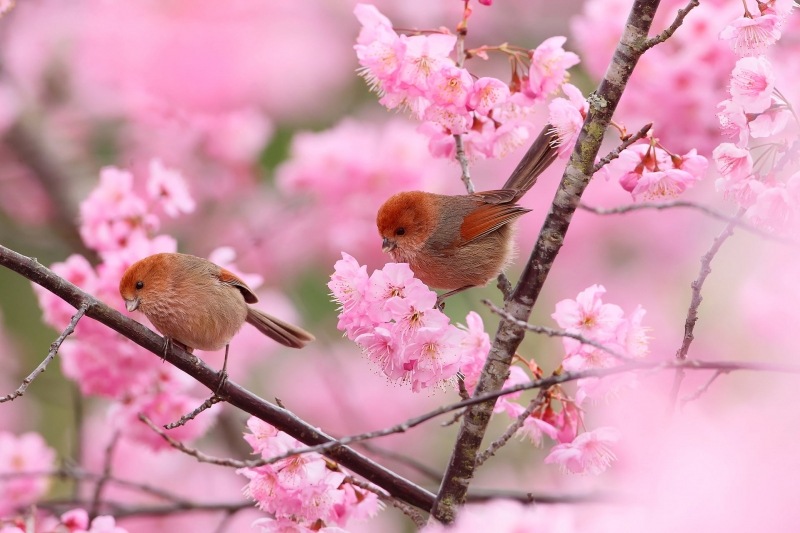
605, 324
417, 72
393, 317
119, 223
303, 493
620, 337
758, 169
649, 171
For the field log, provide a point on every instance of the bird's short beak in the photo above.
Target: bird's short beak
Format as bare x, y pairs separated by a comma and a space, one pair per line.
388, 245
132, 304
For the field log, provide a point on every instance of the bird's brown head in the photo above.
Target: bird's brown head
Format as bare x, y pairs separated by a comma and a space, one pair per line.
143, 278
406, 221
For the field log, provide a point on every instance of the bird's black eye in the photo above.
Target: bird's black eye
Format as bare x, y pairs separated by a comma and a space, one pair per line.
139, 285
400, 231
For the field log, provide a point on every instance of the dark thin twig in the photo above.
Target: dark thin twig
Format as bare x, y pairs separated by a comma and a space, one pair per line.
702, 390
667, 33
691, 314
483, 495
197, 454
641, 134
512, 429
552, 332
405, 460
50, 356
683, 203
190, 416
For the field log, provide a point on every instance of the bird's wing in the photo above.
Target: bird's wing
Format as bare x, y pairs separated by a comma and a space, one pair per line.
487, 218
229, 278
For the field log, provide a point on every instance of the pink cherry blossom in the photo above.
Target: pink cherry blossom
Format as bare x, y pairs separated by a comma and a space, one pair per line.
169, 188
451, 87
548, 70
590, 452
381, 346
534, 429
504, 403
668, 184
749, 36
392, 318
733, 162
424, 56
349, 285
487, 93
476, 345
75, 520
649, 171
395, 279
588, 315
733, 121
416, 312
113, 212
752, 83
301, 491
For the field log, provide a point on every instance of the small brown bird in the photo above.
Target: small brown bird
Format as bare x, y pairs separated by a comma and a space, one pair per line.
463, 241
198, 304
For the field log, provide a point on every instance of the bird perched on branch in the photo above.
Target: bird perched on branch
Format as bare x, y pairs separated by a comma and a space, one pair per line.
199, 304
461, 241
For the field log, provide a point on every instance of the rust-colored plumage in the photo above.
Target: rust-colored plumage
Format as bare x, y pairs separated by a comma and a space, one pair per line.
198, 304
461, 241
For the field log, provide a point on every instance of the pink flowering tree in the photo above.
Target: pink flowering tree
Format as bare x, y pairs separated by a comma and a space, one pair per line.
610, 365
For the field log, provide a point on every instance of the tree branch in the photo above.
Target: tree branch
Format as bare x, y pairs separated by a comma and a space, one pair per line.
736, 220
625, 143
602, 105
694, 305
234, 394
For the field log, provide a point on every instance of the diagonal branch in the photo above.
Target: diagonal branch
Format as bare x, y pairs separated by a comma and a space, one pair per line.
602, 104
618, 150
551, 332
234, 394
667, 33
694, 305
713, 213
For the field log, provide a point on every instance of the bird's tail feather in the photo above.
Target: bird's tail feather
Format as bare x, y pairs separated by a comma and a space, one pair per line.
539, 156
278, 330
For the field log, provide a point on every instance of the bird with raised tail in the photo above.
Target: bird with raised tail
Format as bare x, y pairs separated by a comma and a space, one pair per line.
461, 241
199, 304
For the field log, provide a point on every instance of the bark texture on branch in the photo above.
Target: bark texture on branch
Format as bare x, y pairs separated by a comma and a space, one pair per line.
602, 104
